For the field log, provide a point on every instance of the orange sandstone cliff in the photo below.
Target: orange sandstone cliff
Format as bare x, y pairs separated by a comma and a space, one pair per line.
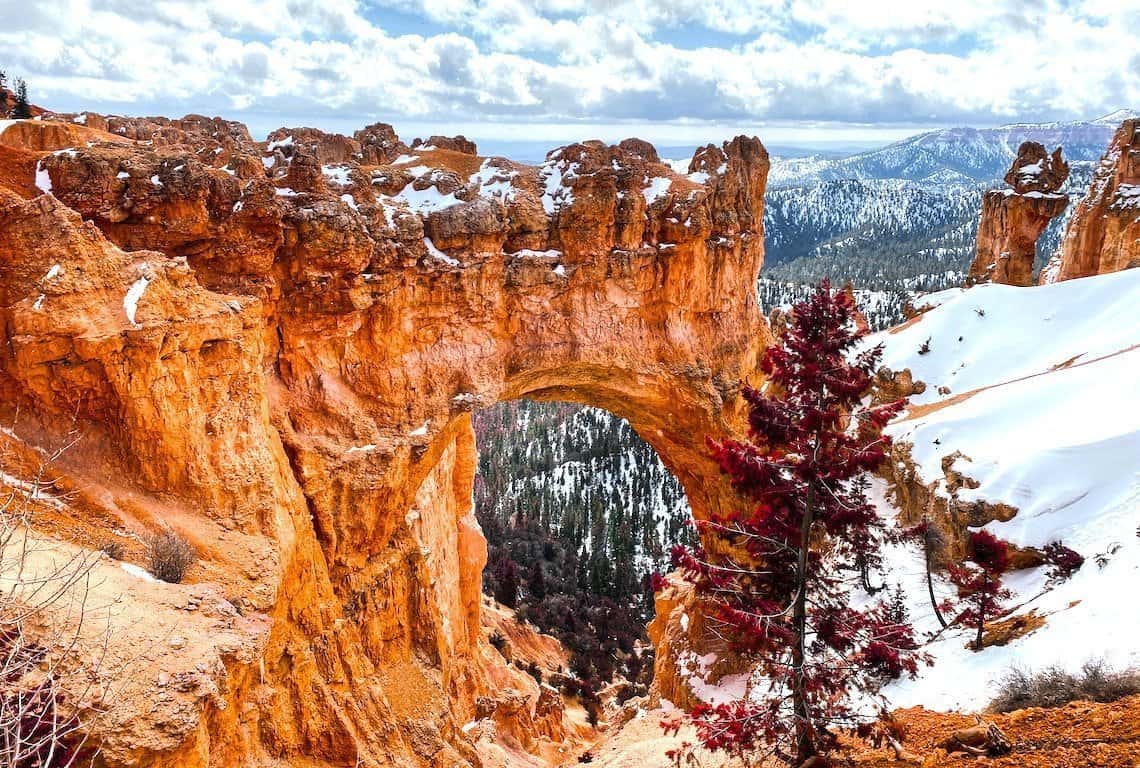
274, 348
1104, 233
1012, 219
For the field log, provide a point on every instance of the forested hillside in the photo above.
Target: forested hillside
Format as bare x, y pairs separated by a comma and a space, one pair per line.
887, 235
578, 511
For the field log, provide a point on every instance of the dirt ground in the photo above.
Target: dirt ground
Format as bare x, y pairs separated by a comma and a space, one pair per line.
1078, 735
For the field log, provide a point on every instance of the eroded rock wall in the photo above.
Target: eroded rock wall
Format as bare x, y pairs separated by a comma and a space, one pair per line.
1103, 234
274, 348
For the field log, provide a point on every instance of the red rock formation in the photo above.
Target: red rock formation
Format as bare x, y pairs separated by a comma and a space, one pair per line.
460, 144
285, 373
1013, 219
373, 145
1104, 233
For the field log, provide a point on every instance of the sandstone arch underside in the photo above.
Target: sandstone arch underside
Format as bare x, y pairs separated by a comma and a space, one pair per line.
275, 348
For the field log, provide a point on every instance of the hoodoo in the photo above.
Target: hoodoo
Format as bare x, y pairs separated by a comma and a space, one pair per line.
1013, 219
274, 349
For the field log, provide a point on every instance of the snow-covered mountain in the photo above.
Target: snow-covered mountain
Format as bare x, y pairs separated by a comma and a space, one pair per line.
1037, 389
955, 155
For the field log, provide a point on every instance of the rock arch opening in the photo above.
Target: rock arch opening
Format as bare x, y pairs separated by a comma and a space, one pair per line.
296, 381
571, 468
578, 512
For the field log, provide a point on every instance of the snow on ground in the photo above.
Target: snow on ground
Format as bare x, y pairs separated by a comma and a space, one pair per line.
1053, 431
439, 255
554, 176
655, 189
43, 179
996, 333
339, 175
494, 181
138, 572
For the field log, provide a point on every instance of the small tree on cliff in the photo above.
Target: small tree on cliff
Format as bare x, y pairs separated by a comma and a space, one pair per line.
979, 581
777, 579
22, 110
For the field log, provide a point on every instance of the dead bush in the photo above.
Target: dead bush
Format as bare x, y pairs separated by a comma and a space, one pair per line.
113, 549
1054, 687
42, 678
169, 556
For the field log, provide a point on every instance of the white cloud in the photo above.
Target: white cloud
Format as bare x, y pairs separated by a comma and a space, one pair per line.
894, 61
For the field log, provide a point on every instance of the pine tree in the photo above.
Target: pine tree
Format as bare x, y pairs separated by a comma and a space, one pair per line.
774, 582
506, 575
867, 557
980, 585
896, 606
22, 110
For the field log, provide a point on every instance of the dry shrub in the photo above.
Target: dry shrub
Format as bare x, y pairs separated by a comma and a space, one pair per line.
1055, 687
45, 590
113, 549
169, 556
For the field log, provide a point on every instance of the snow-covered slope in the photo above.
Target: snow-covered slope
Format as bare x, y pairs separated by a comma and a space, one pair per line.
1044, 393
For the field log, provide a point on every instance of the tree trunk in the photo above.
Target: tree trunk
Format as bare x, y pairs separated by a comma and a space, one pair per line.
933, 599
865, 575
981, 616
930, 578
805, 744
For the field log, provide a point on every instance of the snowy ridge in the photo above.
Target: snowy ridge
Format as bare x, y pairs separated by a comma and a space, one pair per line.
979, 154
889, 234
1049, 380
904, 216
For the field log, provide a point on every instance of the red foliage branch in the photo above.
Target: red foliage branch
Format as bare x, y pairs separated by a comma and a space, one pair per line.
981, 592
778, 580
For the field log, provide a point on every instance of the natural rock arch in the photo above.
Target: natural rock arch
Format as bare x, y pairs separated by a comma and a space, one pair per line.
294, 379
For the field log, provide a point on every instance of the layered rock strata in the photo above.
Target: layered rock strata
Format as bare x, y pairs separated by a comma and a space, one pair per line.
1103, 234
274, 348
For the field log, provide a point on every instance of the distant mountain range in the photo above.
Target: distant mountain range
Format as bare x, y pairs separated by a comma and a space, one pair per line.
951, 155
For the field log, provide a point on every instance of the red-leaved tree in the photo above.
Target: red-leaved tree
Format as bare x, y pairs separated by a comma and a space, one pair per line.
777, 577
979, 581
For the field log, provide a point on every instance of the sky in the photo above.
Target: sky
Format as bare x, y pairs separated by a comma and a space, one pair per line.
799, 72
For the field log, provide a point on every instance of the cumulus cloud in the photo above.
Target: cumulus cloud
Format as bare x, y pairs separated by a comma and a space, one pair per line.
889, 61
